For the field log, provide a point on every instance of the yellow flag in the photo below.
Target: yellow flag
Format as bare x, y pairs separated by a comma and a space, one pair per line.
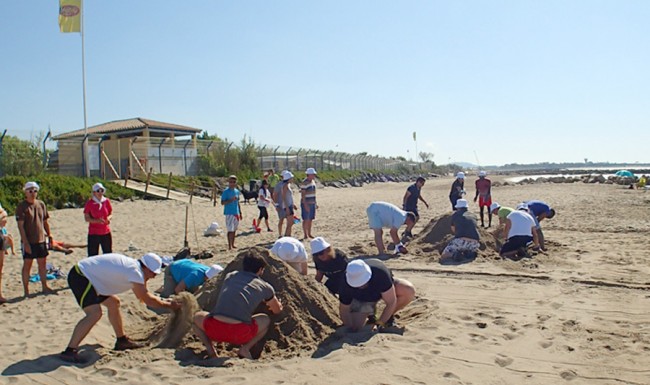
70, 15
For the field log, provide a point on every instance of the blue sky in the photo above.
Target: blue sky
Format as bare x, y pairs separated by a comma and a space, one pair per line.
501, 81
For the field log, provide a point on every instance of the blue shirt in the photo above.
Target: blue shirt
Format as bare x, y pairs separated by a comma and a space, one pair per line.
231, 208
538, 208
190, 272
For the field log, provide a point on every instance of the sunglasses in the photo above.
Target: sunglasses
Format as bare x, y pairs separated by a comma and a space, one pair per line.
32, 190
100, 191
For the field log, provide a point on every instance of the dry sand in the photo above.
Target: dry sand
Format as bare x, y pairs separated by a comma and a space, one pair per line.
580, 314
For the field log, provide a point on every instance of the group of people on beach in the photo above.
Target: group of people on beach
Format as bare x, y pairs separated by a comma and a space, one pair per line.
277, 192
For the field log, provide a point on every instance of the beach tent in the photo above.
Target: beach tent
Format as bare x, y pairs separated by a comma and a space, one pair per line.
624, 173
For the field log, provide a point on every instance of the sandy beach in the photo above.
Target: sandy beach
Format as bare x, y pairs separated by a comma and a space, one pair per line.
579, 314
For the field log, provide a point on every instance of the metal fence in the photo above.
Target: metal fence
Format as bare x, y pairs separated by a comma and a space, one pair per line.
113, 159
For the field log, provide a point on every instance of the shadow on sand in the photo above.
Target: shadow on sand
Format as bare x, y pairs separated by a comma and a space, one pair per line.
51, 362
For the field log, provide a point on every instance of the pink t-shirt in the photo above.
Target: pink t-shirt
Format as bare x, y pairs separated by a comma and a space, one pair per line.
93, 208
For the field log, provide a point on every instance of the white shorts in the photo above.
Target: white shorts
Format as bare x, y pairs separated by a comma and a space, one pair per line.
232, 223
461, 244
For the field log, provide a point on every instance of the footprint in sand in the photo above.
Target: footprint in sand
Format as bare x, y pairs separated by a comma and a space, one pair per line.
545, 344
569, 375
503, 361
376, 361
450, 375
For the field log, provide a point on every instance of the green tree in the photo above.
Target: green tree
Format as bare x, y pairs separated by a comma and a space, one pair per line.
21, 157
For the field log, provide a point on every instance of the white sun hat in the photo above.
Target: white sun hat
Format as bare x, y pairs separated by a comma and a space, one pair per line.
357, 273
213, 271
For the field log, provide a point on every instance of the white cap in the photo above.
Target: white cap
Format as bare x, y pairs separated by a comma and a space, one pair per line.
494, 206
153, 262
357, 273
30, 185
286, 175
460, 175
318, 244
482, 173
522, 206
213, 271
461, 204
311, 171
98, 186
289, 249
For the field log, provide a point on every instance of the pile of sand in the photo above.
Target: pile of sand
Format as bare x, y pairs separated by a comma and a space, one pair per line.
437, 234
310, 312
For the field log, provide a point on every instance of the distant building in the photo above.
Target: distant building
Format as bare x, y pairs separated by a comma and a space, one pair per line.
128, 147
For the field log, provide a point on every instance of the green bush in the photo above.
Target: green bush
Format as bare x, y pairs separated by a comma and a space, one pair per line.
57, 191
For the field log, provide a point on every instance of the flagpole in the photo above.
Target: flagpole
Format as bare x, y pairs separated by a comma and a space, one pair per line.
83, 75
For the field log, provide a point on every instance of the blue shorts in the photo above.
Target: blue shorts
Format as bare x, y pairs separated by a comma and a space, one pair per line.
308, 216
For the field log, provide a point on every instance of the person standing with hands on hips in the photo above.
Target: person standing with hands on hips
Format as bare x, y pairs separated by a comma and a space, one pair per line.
231, 209
31, 217
98, 213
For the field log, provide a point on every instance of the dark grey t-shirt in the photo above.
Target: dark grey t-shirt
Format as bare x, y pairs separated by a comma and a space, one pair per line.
465, 224
240, 295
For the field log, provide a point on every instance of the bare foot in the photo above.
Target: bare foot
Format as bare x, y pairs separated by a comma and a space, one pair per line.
2, 300
244, 353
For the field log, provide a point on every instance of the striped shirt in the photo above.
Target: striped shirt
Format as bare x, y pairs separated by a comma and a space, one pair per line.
308, 187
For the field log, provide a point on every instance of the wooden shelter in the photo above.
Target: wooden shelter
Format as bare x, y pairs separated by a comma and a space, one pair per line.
125, 148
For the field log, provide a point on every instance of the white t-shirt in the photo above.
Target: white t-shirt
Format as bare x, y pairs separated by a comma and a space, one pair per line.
111, 274
520, 224
289, 249
263, 202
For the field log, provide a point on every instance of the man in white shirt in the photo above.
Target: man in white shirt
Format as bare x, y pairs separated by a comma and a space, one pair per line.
98, 280
521, 231
386, 215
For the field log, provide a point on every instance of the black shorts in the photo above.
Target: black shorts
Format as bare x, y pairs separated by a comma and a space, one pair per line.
2, 242
39, 250
264, 214
515, 243
82, 289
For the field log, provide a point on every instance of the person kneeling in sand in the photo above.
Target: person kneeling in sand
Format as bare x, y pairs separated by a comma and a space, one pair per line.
466, 236
186, 275
330, 263
232, 318
521, 231
97, 280
293, 252
367, 282
382, 214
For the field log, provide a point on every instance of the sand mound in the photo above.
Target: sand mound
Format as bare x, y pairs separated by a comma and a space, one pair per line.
437, 234
310, 312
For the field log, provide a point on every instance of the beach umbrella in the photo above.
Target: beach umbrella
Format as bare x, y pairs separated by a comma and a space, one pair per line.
624, 173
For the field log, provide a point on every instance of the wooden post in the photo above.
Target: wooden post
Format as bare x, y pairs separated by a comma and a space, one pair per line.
214, 195
191, 191
146, 187
127, 175
169, 184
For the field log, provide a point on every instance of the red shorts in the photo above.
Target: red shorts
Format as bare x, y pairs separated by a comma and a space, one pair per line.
484, 202
236, 334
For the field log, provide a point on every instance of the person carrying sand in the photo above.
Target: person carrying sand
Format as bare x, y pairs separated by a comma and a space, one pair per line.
308, 204
540, 210
98, 212
484, 196
366, 283
231, 209
186, 275
457, 189
293, 252
466, 236
330, 263
410, 202
232, 319
32, 220
96, 281
521, 231
383, 214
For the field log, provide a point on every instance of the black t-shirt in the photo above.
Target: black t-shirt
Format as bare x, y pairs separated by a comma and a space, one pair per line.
333, 267
465, 224
456, 188
380, 281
